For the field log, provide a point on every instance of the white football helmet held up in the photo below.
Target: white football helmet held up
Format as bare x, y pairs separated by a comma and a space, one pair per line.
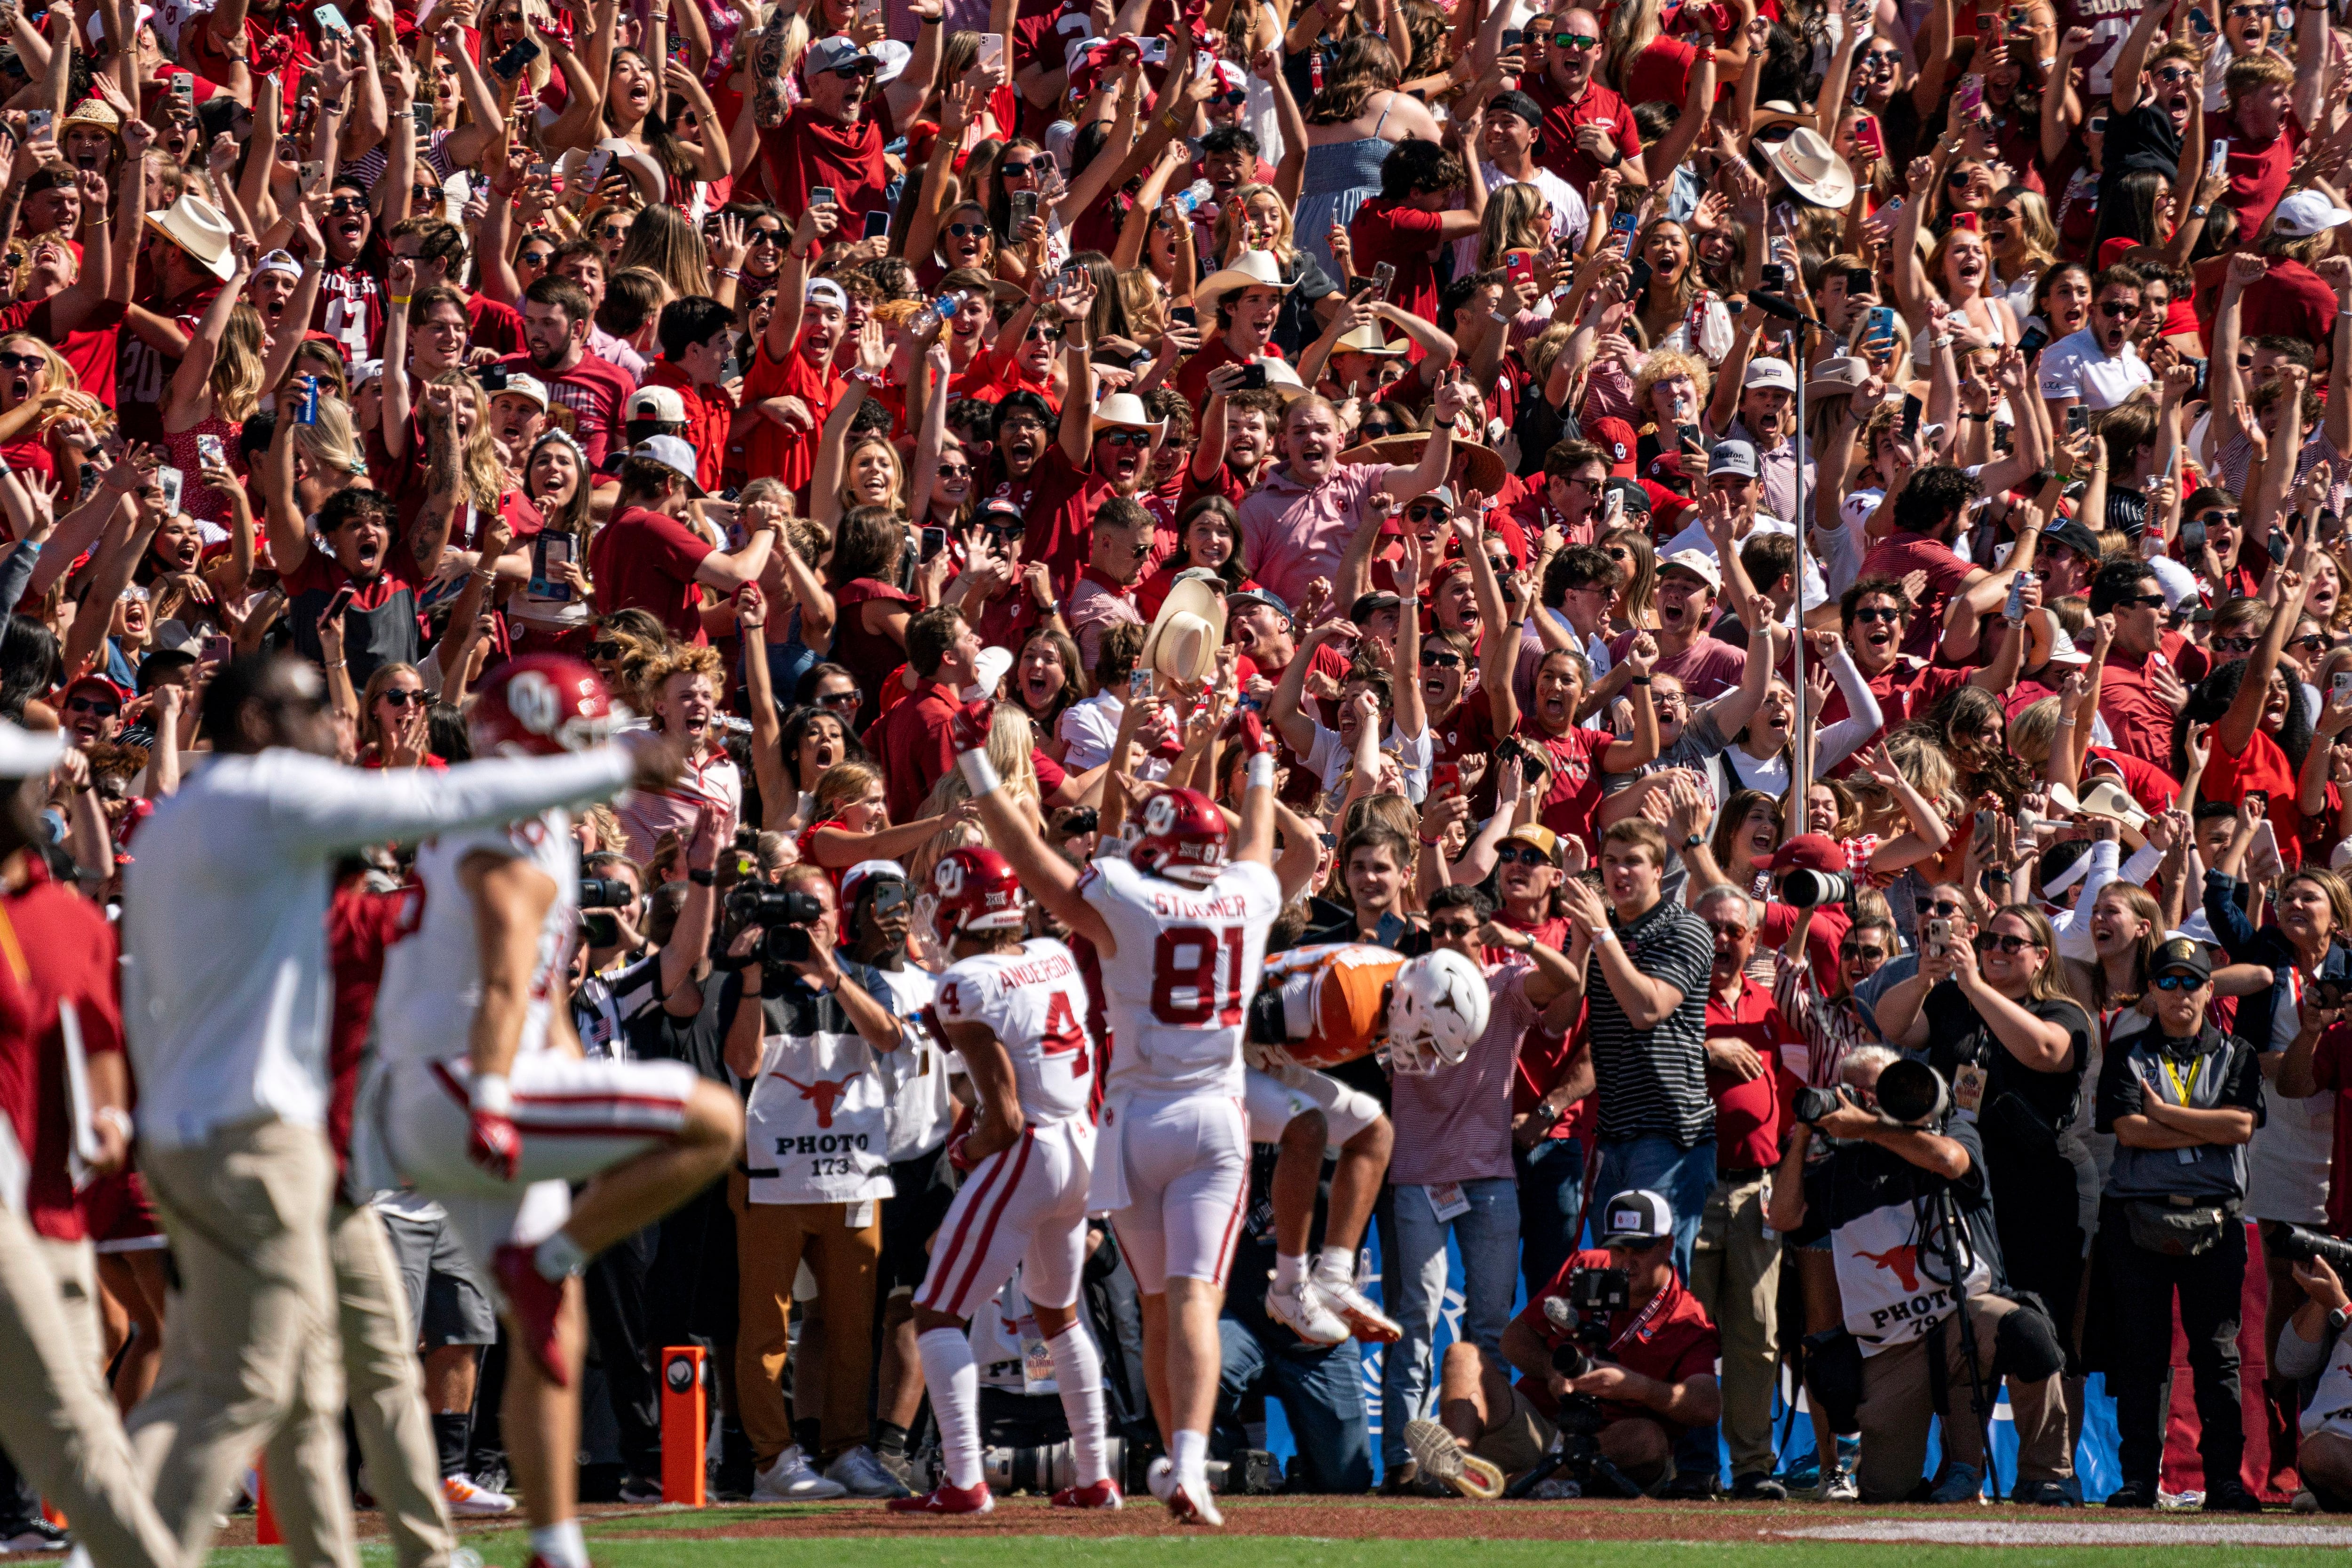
1438, 1005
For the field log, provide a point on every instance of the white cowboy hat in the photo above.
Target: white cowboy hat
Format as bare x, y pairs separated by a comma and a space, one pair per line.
1187, 632
2105, 798
1251, 269
642, 170
1369, 339
1812, 168
196, 226
1282, 381
1126, 408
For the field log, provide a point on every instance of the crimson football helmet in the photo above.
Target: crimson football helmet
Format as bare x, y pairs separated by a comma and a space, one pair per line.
542, 705
1179, 834
975, 889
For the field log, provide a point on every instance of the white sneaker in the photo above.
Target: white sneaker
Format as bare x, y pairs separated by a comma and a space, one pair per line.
860, 1474
1355, 1309
1189, 1499
1840, 1486
1442, 1457
464, 1499
1300, 1309
791, 1479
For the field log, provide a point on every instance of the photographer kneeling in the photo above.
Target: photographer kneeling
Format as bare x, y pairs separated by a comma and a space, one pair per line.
1644, 1356
1895, 1182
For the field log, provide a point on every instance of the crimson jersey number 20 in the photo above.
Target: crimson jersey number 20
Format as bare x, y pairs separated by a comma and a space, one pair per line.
1196, 975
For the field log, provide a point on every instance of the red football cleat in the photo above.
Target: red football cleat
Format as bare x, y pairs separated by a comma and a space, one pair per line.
536, 1302
946, 1499
1103, 1493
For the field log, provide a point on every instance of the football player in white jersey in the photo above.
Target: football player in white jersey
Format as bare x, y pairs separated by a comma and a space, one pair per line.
1181, 926
1325, 1006
498, 1130
1015, 1011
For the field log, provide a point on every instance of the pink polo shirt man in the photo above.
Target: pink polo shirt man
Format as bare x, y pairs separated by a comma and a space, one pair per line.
1292, 533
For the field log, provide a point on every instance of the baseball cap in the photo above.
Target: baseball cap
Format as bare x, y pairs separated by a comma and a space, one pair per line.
1636, 1217
1519, 103
826, 290
1616, 441
988, 672
1367, 606
838, 52
276, 261
528, 386
660, 403
2306, 212
1731, 458
673, 454
2071, 535
1542, 837
1769, 372
1808, 852
2180, 955
1698, 563
865, 868
1265, 596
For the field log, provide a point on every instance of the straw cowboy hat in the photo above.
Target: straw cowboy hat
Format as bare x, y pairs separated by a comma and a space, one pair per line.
196, 226
1126, 408
1483, 470
1251, 269
1187, 632
1369, 339
2105, 798
1282, 381
1812, 168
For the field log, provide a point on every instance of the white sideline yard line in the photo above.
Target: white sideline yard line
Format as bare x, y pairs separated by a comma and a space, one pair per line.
2089, 1532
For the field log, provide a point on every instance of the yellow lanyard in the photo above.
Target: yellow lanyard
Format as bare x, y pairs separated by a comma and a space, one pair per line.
2184, 1092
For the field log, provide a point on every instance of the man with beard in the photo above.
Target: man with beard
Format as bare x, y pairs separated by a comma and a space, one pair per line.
556, 318
2098, 367
790, 388
350, 298
1871, 617
1929, 511
1296, 524
1586, 127
645, 556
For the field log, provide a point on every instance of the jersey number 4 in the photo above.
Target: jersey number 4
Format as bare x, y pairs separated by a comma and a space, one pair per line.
1064, 1037
1184, 985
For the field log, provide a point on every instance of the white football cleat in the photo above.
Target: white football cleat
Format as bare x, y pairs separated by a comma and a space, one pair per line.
1355, 1309
1300, 1309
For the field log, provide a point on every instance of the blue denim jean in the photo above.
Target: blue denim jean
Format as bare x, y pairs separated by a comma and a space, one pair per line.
1683, 1177
1551, 1207
1412, 1279
1322, 1396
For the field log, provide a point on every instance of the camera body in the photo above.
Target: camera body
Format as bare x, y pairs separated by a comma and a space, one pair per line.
783, 915
1813, 1104
595, 895
1594, 1296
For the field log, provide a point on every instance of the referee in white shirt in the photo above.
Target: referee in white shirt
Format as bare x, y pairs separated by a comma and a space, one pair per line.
226, 998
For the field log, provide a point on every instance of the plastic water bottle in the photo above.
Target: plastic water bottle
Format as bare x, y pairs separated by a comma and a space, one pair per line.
1193, 197
939, 309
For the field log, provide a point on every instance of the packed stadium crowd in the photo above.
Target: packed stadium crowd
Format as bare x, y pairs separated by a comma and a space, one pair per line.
1034, 713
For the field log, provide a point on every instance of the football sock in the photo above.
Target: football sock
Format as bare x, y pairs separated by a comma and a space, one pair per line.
1077, 1373
954, 1385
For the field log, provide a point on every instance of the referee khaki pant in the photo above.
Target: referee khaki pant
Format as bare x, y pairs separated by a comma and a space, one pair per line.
250, 1362
57, 1419
388, 1389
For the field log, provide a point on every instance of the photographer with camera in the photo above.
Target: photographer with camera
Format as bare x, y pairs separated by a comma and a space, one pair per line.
1903, 1199
1614, 1352
2182, 1098
810, 1032
1992, 1015
2313, 1345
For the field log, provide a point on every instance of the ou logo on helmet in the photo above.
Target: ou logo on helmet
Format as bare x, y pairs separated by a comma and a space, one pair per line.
949, 879
1160, 814
534, 701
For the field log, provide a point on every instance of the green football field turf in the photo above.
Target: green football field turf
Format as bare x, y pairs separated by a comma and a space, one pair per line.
677, 1547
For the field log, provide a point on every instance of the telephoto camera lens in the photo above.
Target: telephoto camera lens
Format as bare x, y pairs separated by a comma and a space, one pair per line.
606, 893
2299, 1244
1912, 1093
1810, 889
